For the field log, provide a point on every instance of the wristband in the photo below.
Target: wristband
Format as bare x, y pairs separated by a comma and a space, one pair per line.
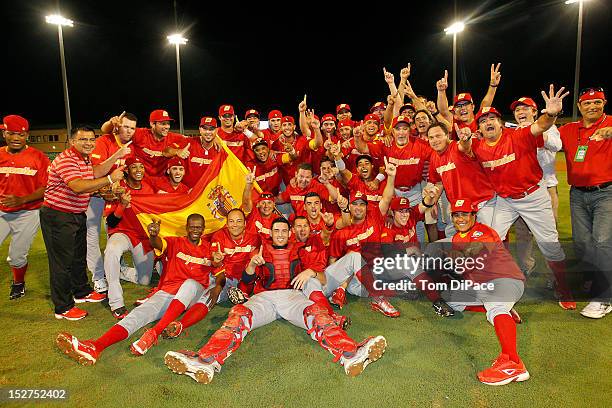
427, 205
340, 164
110, 180
493, 86
380, 177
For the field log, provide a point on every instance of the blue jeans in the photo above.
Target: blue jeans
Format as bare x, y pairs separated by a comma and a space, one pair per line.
592, 234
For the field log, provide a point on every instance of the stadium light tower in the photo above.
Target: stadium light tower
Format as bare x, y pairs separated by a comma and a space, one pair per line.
578, 49
60, 21
455, 29
178, 40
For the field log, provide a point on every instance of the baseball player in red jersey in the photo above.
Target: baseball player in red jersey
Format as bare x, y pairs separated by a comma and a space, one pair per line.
588, 150
378, 109
273, 131
509, 158
232, 135
186, 283
259, 219
343, 112
23, 177
126, 234
304, 183
202, 154
272, 270
328, 172
172, 181
459, 176
267, 165
501, 285
120, 135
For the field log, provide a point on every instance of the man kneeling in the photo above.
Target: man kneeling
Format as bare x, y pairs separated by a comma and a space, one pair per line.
272, 269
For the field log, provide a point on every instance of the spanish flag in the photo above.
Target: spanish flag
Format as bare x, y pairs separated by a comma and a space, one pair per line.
218, 191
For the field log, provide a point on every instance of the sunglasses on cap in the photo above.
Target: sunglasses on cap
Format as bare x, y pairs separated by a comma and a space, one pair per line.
265, 196
227, 116
587, 90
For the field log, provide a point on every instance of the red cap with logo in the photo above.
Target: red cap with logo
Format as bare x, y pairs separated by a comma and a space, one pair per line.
208, 121
524, 101
485, 111
226, 109
463, 97
175, 161
371, 116
15, 123
288, 119
377, 106
593, 93
400, 203
401, 119
462, 205
275, 114
265, 195
343, 106
159, 115
251, 112
328, 117
344, 123
132, 160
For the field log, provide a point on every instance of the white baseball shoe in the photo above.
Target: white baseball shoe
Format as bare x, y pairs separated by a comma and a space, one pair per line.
596, 310
369, 351
188, 363
101, 285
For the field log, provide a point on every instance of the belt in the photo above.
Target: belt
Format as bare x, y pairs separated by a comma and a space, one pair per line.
594, 188
525, 193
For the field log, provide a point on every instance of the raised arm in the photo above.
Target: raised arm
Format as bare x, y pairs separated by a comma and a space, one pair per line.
304, 128
103, 168
154, 239
336, 151
247, 201
554, 106
80, 186
493, 84
113, 123
389, 190
442, 101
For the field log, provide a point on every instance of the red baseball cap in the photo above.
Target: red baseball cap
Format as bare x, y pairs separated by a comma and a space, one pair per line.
592, 93
288, 119
462, 205
371, 116
343, 106
251, 112
208, 121
175, 161
378, 105
407, 106
131, 160
401, 119
275, 114
400, 203
265, 195
259, 141
328, 117
15, 123
485, 111
463, 97
346, 122
523, 101
225, 109
159, 115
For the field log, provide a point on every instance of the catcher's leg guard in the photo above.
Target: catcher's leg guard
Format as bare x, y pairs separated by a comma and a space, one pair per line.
324, 329
228, 338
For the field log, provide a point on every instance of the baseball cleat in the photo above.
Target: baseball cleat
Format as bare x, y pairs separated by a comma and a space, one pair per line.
120, 313
83, 352
442, 308
382, 305
93, 297
515, 316
144, 343
368, 352
237, 296
503, 371
338, 298
17, 290
188, 363
173, 330
568, 305
596, 310
73, 314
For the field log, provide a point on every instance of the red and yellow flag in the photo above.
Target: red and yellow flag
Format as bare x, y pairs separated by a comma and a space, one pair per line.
219, 190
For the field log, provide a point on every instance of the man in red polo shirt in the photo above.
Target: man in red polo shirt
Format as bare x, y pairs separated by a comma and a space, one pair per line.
23, 177
72, 179
509, 158
172, 182
201, 154
588, 154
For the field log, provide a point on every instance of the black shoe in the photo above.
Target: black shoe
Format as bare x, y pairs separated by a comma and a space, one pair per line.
17, 290
120, 313
236, 296
442, 308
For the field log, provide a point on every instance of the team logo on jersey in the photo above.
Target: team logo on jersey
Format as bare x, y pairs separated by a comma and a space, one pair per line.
477, 234
221, 202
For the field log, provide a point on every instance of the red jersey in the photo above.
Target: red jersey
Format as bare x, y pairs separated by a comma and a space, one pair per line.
350, 154
162, 185
270, 136
406, 233
596, 168
106, 146
184, 260
302, 148
409, 159
473, 127
237, 252
313, 254
295, 195
461, 176
511, 164
257, 224
197, 163
353, 237
237, 142
495, 260
129, 224
21, 174
357, 186
267, 174
150, 150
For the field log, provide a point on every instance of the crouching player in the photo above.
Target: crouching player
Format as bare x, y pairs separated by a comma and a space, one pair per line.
272, 269
186, 282
504, 281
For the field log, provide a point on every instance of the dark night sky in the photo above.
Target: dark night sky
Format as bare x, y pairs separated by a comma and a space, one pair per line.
266, 56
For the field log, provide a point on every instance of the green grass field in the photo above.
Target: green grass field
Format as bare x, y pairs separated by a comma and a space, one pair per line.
430, 361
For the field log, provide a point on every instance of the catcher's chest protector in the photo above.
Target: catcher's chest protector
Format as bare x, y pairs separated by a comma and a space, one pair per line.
281, 266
